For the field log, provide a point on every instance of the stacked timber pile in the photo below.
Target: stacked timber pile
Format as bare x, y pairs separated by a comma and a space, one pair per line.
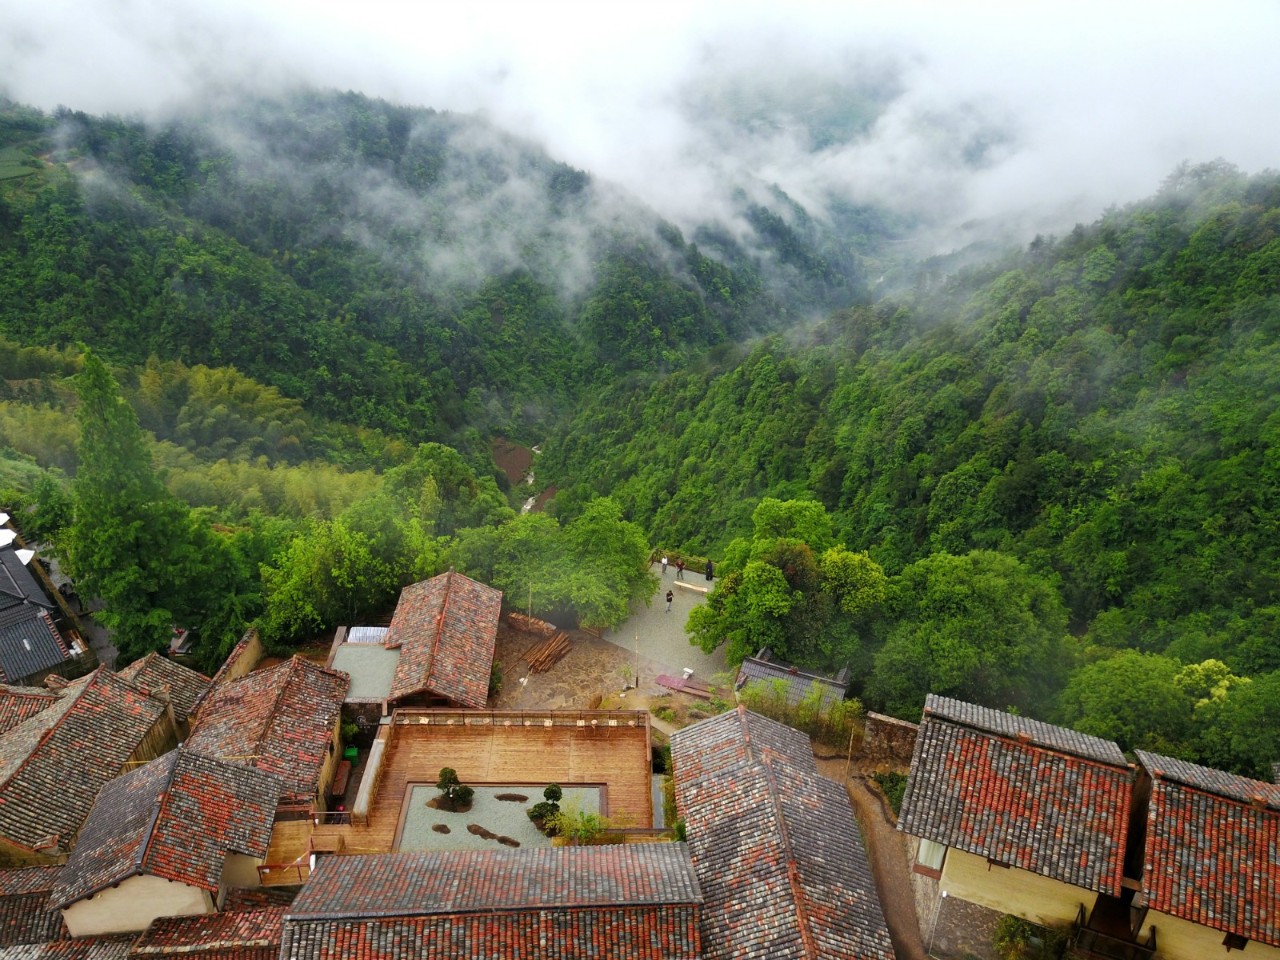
530, 624
546, 655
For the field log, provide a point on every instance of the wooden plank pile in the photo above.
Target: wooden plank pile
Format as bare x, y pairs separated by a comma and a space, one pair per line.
547, 655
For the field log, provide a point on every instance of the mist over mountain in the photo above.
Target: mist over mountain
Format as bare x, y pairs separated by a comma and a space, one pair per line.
973, 121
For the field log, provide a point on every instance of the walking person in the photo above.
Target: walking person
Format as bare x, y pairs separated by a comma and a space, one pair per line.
670, 596
710, 568
664, 564
679, 569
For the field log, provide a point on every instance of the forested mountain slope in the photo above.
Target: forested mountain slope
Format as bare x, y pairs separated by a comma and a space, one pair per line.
389, 266
1103, 408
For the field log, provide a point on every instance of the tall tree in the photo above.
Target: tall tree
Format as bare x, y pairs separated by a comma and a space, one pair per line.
130, 542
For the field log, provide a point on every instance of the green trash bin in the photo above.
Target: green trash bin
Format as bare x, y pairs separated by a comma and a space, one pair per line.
350, 753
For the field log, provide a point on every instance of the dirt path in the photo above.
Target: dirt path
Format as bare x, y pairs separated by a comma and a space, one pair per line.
887, 852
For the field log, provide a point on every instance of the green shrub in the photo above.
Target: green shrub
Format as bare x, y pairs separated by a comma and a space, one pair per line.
894, 786
1018, 939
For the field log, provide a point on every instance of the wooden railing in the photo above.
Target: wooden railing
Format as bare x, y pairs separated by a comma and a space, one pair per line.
521, 718
284, 874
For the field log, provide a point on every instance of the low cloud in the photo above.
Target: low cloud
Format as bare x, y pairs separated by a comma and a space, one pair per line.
1031, 116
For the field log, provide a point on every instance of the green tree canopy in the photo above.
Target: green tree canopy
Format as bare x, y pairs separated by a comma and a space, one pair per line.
1132, 698
981, 627
131, 543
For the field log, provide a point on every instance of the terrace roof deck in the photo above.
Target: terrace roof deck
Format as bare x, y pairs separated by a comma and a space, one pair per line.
609, 747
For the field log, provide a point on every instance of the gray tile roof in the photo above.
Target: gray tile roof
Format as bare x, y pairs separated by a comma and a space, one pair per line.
1006, 789
154, 673
29, 643
616, 902
720, 746
776, 847
68, 752
427, 882
79, 948
799, 683
17, 584
25, 915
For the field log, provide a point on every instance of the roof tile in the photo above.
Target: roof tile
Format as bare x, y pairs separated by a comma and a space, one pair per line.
1020, 792
177, 817
280, 720
1213, 848
446, 628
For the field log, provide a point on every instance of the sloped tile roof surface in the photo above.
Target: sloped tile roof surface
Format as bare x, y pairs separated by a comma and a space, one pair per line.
280, 720
79, 948
177, 818
1020, 792
446, 628
53, 764
1213, 848
25, 915
19, 703
230, 935
17, 584
626, 902
29, 642
154, 672
775, 846
799, 683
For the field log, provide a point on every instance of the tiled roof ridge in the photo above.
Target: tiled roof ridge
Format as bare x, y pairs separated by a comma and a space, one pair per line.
161, 802
1025, 733
439, 631
291, 667
792, 670
798, 897
1165, 768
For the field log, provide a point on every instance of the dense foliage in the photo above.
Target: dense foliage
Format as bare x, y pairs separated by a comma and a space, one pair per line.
1095, 417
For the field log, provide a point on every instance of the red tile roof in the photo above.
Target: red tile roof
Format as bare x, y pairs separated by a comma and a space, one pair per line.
53, 764
177, 818
19, 703
153, 673
446, 628
280, 720
1020, 792
231, 935
638, 902
25, 915
1213, 848
78, 948
776, 847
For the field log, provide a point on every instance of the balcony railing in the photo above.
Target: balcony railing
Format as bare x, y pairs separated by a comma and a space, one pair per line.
1095, 945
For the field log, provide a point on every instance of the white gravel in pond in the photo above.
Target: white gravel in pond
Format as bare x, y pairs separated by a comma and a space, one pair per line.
505, 818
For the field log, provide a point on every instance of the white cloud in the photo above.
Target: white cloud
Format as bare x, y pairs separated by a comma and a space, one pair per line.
1099, 99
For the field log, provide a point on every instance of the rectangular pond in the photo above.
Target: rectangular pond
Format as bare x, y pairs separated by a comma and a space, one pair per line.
424, 828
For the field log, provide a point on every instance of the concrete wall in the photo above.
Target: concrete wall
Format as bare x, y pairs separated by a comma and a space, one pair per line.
1179, 940
1010, 890
133, 904
887, 739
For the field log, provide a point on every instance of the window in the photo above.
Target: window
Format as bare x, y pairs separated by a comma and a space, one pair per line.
929, 858
1233, 941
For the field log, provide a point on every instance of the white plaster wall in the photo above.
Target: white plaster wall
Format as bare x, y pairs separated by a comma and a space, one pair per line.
1010, 890
133, 904
1179, 940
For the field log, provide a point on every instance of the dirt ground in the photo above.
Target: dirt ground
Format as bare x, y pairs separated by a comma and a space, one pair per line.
887, 853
